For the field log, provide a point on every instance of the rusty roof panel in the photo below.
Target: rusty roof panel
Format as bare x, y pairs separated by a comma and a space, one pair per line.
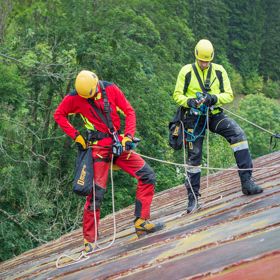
198, 265
250, 270
231, 236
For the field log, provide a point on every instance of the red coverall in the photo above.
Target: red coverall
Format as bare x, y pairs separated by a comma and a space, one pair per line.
129, 161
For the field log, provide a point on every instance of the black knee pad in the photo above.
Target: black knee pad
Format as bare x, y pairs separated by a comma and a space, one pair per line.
138, 208
99, 195
233, 132
146, 174
238, 137
194, 160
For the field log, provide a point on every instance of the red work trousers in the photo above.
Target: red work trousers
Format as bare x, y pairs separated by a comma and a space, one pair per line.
131, 163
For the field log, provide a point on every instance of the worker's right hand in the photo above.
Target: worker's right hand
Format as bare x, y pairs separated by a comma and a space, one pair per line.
193, 102
127, 143
81, 142
210, 99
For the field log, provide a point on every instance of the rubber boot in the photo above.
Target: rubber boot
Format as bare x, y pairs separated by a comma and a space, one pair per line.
89, 247
249, 187
144, 227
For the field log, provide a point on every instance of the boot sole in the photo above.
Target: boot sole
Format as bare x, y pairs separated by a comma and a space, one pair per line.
251, 193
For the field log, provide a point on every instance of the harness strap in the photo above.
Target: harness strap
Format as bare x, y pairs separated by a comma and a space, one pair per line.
107, 118
95, 135
98, 111
221, 81
107, 108
204, 87
102, 159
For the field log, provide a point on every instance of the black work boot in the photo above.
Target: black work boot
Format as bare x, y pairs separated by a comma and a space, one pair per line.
193, 204
192, 184
249, 187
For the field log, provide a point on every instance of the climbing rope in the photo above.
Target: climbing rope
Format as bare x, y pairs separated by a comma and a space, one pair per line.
259, 127
83, 255
113, 211
206, 167
192, 135
186, 169
273, 135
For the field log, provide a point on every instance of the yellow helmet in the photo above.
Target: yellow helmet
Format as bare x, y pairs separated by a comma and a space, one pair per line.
86, 83
204, 50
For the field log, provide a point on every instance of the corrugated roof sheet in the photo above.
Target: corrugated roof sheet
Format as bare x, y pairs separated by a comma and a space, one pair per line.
232, 237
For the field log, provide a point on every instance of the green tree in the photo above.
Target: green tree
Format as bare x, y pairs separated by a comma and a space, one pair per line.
209, 20
269, 54
264, 112
245, 32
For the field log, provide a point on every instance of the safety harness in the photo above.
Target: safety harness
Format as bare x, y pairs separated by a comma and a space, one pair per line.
203, 109
117, 148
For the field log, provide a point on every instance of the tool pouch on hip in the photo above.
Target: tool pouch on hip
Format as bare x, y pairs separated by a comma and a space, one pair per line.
176, 128
83, 180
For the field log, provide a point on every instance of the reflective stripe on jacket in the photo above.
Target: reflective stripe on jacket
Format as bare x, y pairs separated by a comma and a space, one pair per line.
187, 85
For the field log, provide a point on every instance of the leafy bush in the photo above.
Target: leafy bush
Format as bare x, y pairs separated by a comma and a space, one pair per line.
272, 89
264, 112
253, 84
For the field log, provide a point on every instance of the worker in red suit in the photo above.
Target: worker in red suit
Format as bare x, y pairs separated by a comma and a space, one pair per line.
91, 93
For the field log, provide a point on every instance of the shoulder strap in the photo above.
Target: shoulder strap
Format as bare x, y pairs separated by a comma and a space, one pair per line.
107, 107
203, 87
98, 111
187, 81
107, 120
221, 80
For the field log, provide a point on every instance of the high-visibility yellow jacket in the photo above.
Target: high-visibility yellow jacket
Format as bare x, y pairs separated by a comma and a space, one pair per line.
187, 84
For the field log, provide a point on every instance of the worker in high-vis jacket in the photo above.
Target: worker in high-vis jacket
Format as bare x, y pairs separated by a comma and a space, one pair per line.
90, 98
202, 87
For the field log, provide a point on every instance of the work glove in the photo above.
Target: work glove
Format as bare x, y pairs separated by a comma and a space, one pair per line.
81, 142
210, 99
193, 102
127, 143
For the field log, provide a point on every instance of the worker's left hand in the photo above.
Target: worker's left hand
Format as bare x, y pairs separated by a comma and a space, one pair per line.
127, 143
210, 99
81, 142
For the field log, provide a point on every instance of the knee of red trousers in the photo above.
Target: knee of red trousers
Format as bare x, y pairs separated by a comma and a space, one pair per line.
90, 229
145, 191
144, 197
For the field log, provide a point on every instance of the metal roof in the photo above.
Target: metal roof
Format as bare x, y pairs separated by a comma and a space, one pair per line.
233, 236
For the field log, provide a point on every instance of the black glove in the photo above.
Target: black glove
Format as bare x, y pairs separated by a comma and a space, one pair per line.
193, 102
81, 142
210, 99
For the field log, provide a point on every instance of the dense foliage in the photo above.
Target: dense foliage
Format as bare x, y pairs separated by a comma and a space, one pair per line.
141, 46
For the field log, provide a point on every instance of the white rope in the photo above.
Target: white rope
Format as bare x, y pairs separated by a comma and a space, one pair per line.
81, 258
85, 256
113, 211
207, 147
186, 170
207, 152
261, 128
210, 168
